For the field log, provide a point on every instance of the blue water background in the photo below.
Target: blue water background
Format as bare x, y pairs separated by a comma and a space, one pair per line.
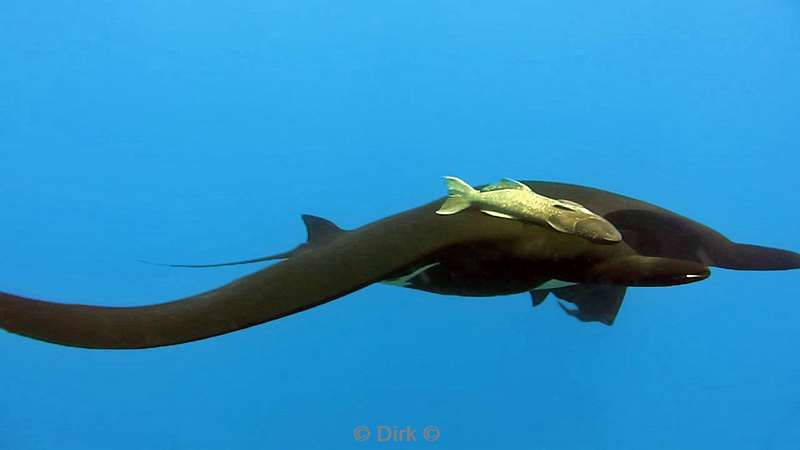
199, 131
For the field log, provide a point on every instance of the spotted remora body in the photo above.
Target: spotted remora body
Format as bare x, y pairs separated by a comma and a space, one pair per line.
510, 199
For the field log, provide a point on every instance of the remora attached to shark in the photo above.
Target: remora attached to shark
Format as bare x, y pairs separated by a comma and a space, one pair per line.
510, 199
466, 254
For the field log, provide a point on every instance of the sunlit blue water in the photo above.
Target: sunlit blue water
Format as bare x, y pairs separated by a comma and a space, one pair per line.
199, 131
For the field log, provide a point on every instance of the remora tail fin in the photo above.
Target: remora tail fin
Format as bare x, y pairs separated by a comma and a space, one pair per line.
459, 194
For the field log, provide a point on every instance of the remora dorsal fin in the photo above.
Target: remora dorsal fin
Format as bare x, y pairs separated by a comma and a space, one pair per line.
570, 202
514, 184
506, 183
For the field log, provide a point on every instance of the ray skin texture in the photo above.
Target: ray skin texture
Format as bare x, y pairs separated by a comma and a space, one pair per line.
468, 254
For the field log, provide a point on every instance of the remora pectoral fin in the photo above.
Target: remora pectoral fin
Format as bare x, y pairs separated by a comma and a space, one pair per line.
497, 214
558, 223
637, 270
